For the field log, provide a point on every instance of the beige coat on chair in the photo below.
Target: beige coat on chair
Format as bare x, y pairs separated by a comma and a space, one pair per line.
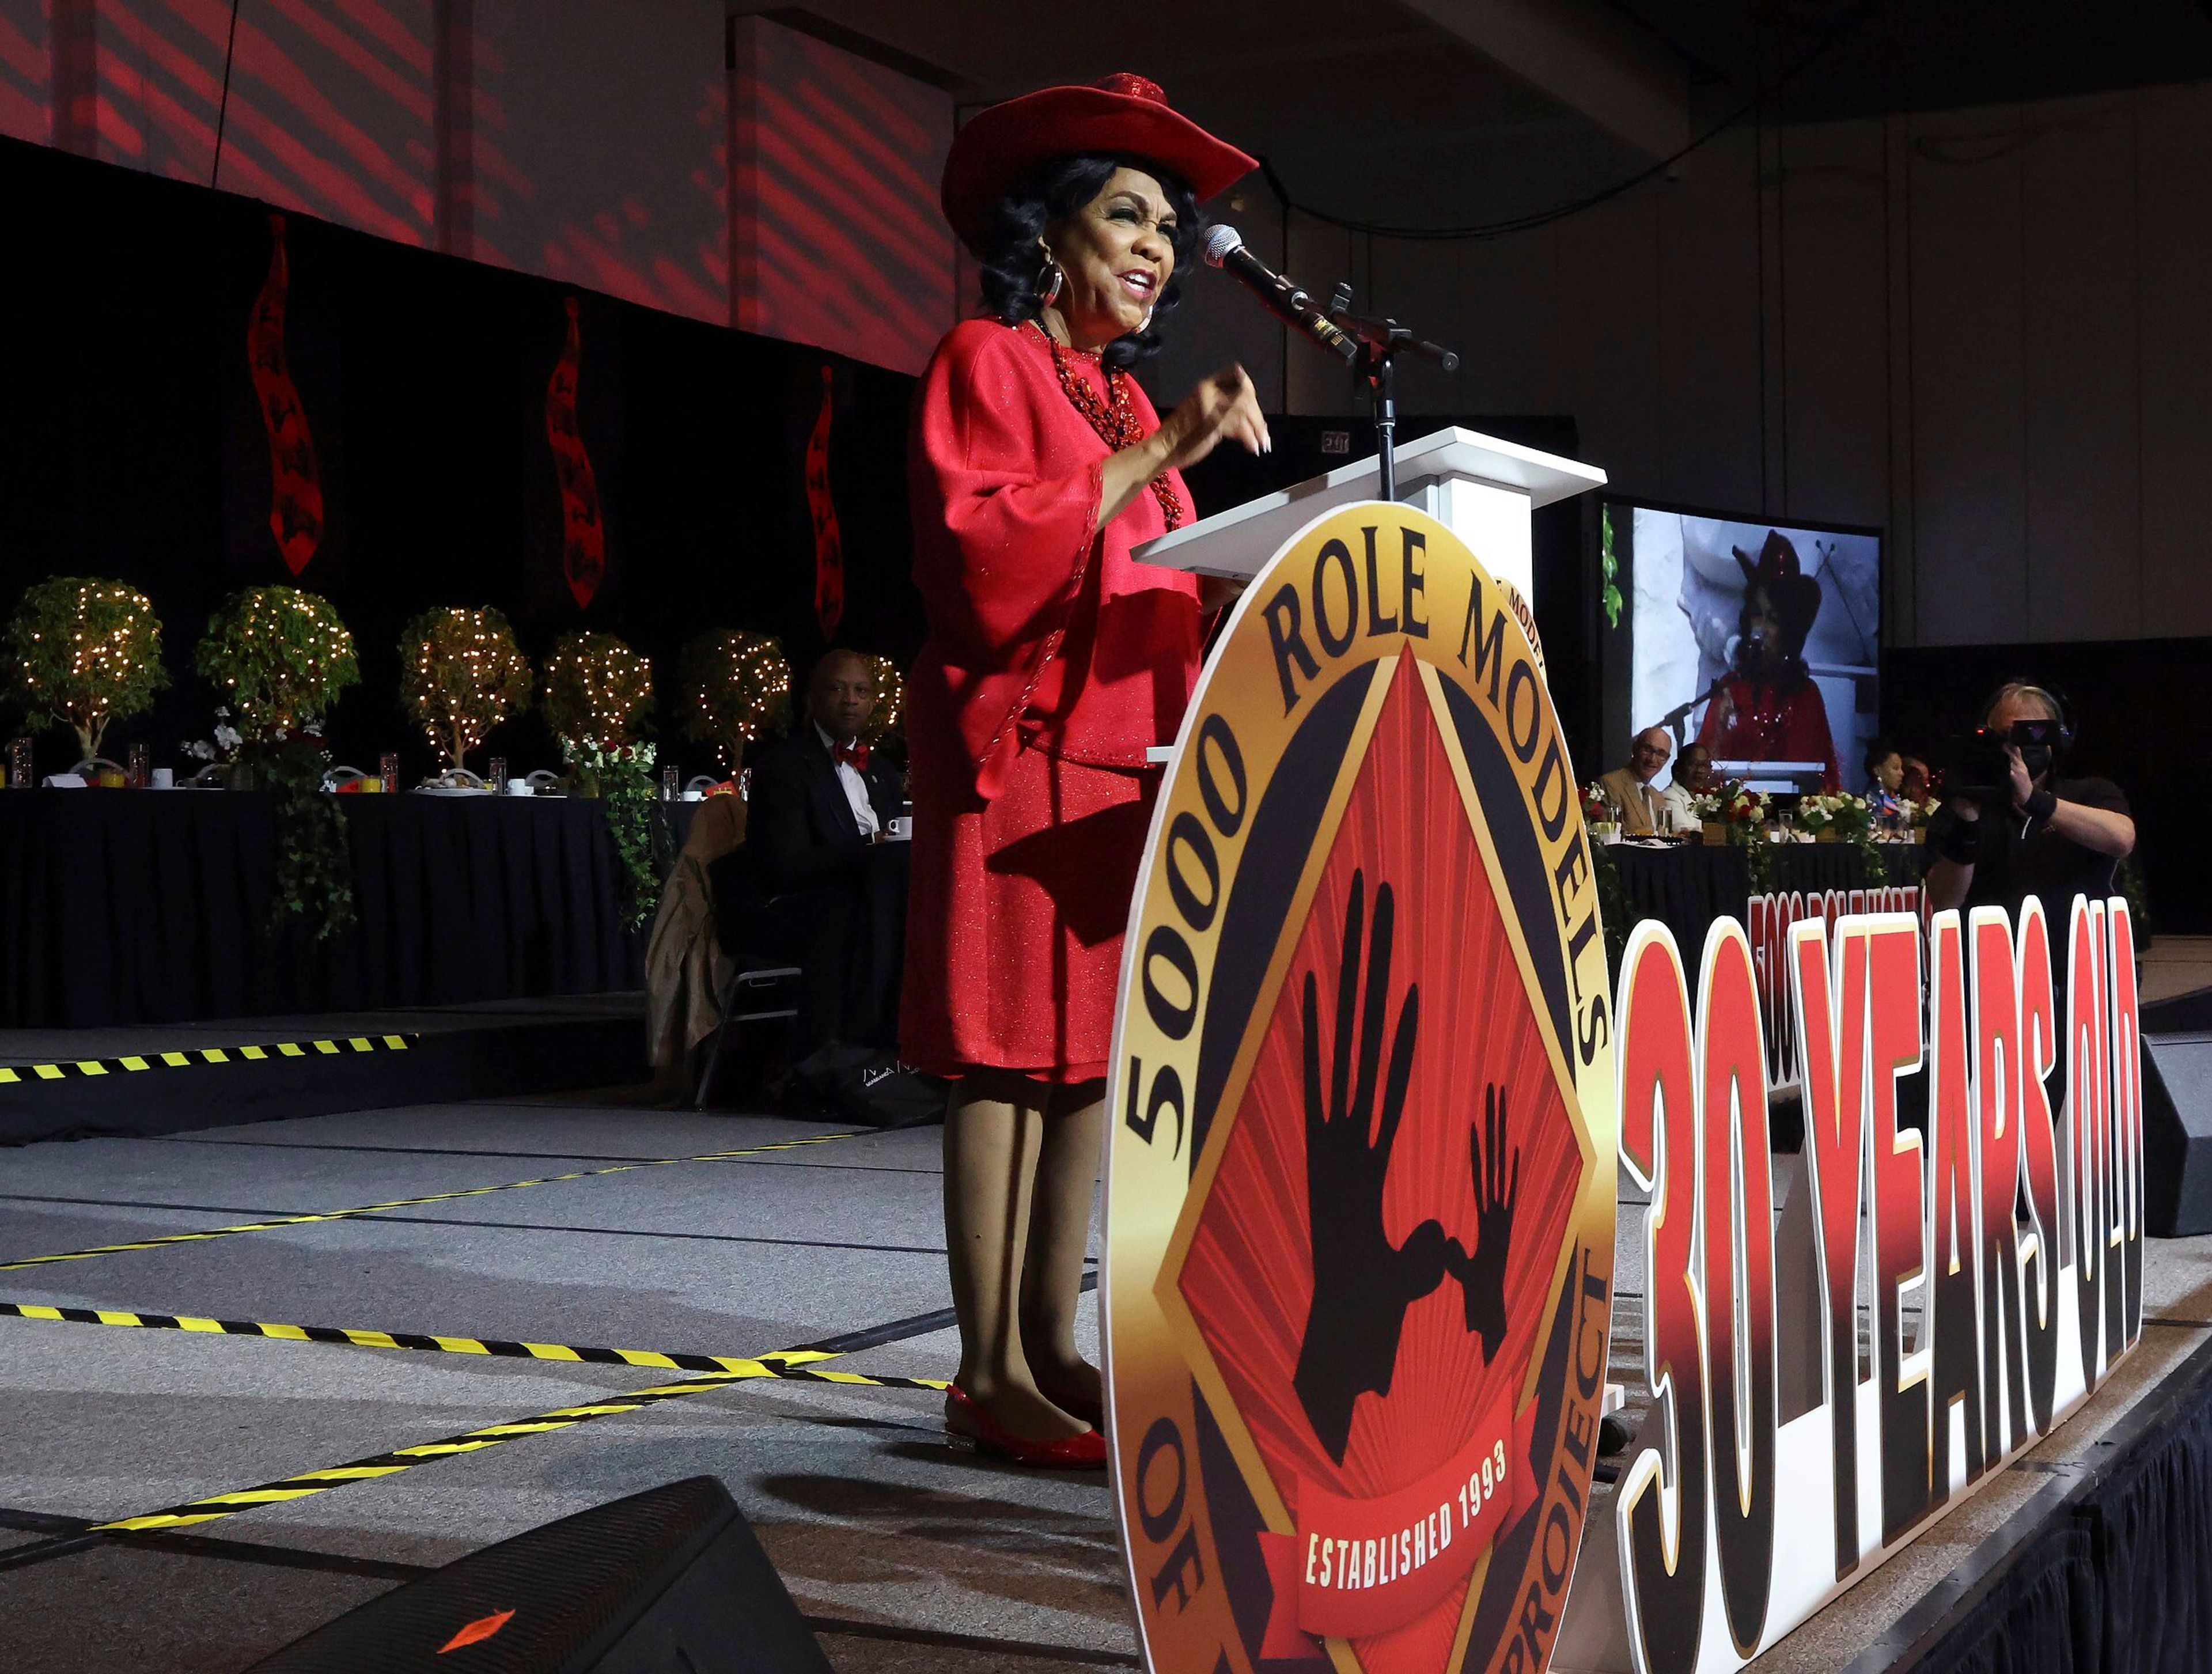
685, 968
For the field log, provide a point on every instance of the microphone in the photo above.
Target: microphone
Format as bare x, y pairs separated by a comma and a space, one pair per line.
1224, 249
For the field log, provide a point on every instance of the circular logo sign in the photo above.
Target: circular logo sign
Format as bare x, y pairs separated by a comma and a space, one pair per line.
1360, 1197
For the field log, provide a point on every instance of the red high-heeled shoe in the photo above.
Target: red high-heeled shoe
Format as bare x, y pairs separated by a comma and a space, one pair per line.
978, 1429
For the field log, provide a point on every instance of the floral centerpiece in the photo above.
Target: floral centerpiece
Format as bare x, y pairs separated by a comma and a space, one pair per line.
1743, 814
596, 695
280, 657
1597, 807
460, 675
1836, 818
734, 687
85, 652
1743, 810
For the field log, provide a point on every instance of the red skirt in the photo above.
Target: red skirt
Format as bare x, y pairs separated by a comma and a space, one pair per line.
1015, 921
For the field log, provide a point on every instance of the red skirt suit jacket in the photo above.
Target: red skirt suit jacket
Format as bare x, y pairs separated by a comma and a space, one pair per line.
1052, 663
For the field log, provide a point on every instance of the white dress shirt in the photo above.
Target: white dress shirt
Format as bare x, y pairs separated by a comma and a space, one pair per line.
855, 784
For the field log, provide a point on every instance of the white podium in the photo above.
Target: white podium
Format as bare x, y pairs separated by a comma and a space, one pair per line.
1480, 488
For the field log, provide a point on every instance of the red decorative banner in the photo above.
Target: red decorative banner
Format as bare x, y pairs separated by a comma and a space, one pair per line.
583, 536
1364, 1567
828, 545
295, 503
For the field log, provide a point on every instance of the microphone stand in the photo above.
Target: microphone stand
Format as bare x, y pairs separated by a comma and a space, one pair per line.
1677, 719
1381, 342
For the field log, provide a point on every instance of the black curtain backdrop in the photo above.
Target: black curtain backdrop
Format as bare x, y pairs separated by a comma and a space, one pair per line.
131, 446
2135, 724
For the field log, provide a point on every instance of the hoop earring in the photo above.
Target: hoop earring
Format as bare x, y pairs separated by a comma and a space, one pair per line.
1050, 294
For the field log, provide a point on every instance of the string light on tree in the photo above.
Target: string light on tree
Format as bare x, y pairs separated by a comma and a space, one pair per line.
735, 686
86, 653
889, 715
595, 692
280, 657
460, 675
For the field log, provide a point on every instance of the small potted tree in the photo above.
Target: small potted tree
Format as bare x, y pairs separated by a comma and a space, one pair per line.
85, 652
596, 695
280, 657
734, 686
460, 675
888, 718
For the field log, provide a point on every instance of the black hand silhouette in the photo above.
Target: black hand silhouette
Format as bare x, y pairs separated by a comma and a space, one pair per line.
1482, 1275
1362, 1285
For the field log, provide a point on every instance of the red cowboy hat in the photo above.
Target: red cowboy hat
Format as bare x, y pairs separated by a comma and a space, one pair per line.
1123, 115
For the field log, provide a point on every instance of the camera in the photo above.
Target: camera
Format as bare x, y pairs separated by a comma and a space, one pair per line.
1977, 769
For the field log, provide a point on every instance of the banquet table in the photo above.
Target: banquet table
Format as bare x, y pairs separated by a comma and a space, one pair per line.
139, 906
1688, 885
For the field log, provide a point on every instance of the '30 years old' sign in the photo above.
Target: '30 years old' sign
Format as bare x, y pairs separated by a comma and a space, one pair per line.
1969, 1205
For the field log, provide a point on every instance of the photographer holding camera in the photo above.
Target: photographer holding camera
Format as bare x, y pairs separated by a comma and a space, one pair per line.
2009, 828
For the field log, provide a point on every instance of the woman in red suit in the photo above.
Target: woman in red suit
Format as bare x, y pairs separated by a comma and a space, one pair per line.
1054, 662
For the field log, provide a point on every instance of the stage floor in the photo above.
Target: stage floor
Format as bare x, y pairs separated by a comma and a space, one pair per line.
906, 1554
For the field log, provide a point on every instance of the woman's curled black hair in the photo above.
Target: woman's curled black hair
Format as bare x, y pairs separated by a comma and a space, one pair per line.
1016, 273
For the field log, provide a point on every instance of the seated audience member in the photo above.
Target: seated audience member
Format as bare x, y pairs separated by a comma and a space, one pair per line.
1912, 779
1768, 708
826, 886
2038, 834
1694, 777
1629, 788
1885, 771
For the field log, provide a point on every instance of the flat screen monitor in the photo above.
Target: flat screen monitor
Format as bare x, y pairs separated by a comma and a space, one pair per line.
1760, 640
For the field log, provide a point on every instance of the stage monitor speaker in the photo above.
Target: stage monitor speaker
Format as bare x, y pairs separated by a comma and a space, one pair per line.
669, 1581
2177, 1135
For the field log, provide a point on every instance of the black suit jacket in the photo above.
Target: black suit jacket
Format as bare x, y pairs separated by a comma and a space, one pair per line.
799, 825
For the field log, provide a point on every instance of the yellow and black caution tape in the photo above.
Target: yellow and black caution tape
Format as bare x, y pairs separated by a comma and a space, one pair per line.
790, 1362
200, 1056
736, 1365
409, 1203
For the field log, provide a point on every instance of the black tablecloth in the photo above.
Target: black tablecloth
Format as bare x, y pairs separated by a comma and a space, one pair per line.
1689, 885
144, 906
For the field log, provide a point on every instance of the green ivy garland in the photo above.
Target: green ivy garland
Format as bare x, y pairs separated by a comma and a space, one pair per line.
621, 776
1757, 856
1613, 904
2130, 879
1608, 568
314, 867
1877, 863
280, 657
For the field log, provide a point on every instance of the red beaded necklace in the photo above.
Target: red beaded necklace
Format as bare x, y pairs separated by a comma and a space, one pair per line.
1115, 418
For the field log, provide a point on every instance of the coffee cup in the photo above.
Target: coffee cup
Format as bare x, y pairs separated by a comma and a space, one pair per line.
165, 778
900, 829
520, 787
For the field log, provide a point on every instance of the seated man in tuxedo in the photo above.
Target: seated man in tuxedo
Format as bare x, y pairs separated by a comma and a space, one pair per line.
821, 878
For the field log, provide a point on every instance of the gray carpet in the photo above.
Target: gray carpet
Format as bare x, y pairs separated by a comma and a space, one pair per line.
906, 1555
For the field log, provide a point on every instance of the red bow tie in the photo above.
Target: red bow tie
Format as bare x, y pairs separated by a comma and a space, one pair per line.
855, 753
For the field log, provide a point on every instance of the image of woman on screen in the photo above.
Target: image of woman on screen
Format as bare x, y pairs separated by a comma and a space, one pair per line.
1768, 708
